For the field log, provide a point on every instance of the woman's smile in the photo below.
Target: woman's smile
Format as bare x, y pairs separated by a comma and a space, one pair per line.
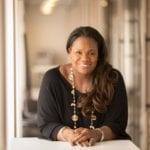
84, 55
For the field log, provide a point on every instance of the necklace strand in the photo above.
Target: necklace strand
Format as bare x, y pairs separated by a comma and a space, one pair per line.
75, 117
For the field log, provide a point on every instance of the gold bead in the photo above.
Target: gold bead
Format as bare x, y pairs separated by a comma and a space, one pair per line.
93, 117
74, 117
72, 92
73, 104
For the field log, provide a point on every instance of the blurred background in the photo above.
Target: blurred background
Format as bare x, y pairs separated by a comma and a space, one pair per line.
40, 29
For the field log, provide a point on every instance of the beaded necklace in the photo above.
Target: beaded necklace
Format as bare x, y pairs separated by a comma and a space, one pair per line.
75, 117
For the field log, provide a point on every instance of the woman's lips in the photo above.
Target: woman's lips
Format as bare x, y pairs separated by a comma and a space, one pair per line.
85, 65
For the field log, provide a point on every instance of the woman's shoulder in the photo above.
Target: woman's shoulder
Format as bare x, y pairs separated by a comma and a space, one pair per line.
112, 73
119, 78
116, 76
52, 73
56, 72
116, 72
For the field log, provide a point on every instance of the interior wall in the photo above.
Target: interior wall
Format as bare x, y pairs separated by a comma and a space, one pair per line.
50, 32
45, 34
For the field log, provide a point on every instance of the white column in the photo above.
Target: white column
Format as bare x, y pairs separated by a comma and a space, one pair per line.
10, 70
20, 65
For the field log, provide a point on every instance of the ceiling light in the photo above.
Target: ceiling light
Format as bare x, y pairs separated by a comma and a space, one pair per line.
104, 3
47, 6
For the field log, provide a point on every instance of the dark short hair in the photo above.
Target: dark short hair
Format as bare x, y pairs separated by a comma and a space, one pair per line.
90, 32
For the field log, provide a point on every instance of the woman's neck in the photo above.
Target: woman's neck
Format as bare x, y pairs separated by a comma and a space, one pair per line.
83, 83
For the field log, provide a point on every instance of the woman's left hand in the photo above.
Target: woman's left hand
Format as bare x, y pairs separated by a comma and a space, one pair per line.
85, 137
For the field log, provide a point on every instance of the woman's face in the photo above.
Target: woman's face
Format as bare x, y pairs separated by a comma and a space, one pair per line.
84, 55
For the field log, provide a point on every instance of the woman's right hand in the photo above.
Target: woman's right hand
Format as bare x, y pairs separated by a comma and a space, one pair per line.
65, 134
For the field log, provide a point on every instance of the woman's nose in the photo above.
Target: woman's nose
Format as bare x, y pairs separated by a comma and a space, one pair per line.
85, 57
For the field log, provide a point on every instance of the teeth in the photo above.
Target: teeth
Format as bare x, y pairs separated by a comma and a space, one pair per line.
85, 64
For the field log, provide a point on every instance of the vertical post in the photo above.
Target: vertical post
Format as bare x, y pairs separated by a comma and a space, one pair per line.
2, 81
143, 120
10, 70
19, 65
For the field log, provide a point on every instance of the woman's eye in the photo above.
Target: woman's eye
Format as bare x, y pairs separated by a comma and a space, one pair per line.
92, 53
78, 52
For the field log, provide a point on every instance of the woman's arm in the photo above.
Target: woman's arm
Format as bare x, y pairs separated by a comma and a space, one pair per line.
49, 120
98, 134
117, 115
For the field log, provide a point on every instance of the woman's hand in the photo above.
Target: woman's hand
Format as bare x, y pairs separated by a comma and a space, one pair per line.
65, 134
85, 137
79, 136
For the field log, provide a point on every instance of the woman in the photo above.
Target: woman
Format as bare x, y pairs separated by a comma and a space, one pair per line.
85, 101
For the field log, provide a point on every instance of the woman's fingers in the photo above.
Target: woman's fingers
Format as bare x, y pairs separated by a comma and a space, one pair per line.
78, 130
84, 144
92, 141
83, 136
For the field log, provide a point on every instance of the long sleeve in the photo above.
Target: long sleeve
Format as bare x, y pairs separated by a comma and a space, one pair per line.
49, 120
117, 116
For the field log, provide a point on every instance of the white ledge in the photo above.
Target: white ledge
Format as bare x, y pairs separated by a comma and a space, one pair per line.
41, 144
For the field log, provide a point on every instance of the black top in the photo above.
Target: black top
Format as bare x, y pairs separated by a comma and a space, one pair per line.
54, 110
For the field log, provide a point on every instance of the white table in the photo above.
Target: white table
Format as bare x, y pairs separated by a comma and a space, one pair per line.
41, 144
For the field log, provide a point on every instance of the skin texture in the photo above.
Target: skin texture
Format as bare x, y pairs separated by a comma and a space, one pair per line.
83, 56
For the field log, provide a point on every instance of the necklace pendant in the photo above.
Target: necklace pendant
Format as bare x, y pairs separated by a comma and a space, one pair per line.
92, 127
93, 117
73, 105
74, 117
73, 92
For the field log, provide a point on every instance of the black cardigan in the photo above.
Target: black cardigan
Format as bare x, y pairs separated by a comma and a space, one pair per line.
54, 110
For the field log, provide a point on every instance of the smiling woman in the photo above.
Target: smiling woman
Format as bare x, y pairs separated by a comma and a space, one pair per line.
83, 54
92, 115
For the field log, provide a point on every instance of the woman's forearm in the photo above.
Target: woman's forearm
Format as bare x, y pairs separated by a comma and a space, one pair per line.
108, 133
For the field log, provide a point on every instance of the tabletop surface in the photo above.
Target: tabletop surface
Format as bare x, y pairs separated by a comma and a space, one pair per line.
41, 144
